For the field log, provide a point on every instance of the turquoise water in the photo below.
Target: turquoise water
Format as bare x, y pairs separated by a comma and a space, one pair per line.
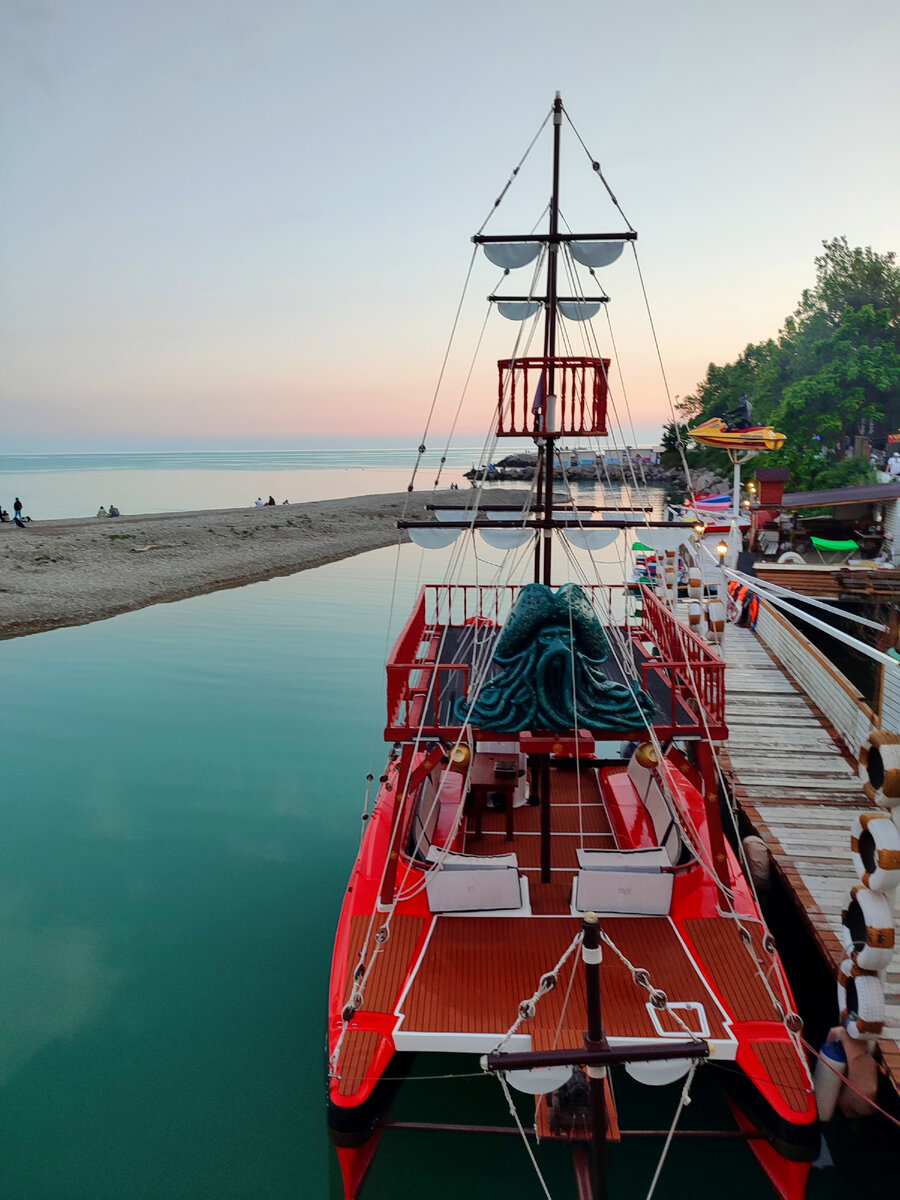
181, 790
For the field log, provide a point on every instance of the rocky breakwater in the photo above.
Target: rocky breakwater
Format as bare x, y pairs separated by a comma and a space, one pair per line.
521, 467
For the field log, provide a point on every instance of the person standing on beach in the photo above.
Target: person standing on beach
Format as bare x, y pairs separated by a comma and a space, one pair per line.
17, 508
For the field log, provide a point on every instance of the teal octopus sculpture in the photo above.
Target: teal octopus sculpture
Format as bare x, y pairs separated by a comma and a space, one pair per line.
550, 654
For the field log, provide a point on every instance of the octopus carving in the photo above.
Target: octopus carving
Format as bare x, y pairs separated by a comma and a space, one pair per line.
550, 654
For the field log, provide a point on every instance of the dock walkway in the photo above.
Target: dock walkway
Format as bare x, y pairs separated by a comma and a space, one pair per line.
795, 783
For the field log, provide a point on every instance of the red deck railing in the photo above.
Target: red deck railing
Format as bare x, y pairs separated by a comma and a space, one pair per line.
694, 667
579, 387
691, 671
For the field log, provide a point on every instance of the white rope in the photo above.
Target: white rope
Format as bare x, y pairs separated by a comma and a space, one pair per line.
515, 1115
640, 977
682, 1104
547, 984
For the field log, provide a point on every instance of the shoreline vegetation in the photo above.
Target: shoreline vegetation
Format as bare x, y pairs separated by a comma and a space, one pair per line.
72, 572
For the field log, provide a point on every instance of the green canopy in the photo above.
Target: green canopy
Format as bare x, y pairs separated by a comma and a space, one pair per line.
827, 544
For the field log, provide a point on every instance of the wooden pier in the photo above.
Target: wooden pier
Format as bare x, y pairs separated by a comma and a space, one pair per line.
796, 782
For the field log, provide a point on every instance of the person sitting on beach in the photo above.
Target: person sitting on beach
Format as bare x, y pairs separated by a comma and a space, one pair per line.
284, 502
259, 502
101, 512
4, 515
113, 511
270, 503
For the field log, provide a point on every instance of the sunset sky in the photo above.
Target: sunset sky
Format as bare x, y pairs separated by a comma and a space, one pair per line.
246, 224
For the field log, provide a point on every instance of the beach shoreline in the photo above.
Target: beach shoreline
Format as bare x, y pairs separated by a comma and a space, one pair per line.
55, 574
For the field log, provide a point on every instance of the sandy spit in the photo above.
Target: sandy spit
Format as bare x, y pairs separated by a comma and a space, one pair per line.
58, 573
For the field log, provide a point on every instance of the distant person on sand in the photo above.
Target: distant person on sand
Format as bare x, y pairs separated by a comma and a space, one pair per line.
284, 502
101, 512
270, 502
4, 515
113, 511
259, 502
17, 506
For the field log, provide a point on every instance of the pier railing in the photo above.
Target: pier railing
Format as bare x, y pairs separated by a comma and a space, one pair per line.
842, 703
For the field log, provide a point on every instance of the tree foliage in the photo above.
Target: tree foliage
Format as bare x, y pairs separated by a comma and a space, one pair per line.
832, 373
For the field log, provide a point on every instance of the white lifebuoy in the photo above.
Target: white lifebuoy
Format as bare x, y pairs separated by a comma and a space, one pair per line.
695, 583
867, 929
875, 847
695, 615
860, 1001
791, 556
715, 620
879, 768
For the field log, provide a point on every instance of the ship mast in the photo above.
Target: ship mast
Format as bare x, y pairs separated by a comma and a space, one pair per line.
546, 460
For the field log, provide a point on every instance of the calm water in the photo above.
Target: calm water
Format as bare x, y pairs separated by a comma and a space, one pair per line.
75, 485
181, 790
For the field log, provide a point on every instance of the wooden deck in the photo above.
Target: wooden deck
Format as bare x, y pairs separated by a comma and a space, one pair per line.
474, 975
793, 780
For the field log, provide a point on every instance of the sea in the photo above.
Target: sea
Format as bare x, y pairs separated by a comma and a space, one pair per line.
182, 791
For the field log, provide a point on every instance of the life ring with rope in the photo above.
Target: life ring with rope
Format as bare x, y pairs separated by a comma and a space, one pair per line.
879, 768
790, 556
875, 848
860, 1001
867, 929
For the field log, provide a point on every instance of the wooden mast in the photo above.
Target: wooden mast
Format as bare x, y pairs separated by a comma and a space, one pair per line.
550, 348
546, 458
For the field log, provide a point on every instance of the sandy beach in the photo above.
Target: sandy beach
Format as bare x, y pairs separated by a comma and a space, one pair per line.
71, 572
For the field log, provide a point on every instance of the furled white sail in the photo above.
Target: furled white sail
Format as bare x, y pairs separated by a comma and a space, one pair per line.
506, 539
434, 539
518, 310
595, 254
510, 255
455, 514
591, 538
579, 310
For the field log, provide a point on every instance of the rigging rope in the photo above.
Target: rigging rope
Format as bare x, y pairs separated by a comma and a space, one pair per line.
596, 167
682, 1105
514, 1112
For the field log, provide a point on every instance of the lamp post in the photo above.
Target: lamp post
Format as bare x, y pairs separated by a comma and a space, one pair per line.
722, 550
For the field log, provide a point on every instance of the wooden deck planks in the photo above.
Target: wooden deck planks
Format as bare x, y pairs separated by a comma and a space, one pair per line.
389, 965
795, 784
473, 977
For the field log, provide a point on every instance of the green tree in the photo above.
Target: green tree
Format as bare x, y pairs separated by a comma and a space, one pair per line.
851, 377
854, 278
832, 373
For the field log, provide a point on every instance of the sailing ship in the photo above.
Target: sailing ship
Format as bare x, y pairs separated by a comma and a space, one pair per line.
544, 883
